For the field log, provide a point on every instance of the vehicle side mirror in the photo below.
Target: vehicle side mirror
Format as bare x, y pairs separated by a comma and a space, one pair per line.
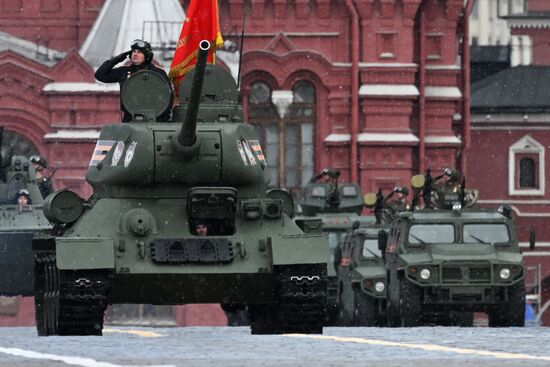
532, 238
382, 240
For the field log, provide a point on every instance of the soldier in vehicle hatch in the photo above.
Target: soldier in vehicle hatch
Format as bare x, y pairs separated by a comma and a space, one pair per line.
449, 181
141, 56
399, 202
329, 176
44, 182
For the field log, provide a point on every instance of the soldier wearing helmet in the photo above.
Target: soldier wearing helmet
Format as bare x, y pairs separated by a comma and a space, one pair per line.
23, 198
399, 202
44, 182
141, 57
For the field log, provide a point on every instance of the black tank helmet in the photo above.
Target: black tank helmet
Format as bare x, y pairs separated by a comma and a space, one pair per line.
144, 47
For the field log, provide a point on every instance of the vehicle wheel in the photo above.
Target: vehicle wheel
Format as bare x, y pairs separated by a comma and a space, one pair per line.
514, 313
366, 310
262, 319
46, 298
346, 306
392, 313
411, 303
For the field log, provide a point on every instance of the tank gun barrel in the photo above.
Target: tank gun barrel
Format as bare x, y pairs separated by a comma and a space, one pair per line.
187, 135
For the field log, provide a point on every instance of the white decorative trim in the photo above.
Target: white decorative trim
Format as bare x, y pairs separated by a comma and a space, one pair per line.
526, 145
335, 138
387, 65
434, 139
443, 92
536, 253
443, 67
388, 137
81, 87
540, 118
407, 90
529, 23
538, 244
519, 213
73, 134
524, 202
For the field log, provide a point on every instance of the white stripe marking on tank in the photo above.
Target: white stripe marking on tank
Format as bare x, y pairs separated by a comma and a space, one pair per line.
426, 347
74, 361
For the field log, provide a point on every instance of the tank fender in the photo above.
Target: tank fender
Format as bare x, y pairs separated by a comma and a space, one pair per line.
84, 253
299, 249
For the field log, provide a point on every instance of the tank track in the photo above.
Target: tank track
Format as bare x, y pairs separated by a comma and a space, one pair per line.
68, 302
299, 305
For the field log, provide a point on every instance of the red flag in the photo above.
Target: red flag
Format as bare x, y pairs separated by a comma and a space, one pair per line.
201, 23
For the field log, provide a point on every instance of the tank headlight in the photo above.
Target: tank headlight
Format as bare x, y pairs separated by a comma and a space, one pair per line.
379, 287
504, 273
425, 274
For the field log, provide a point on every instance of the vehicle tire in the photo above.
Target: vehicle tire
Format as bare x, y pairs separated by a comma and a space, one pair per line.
366, 310
411, 303
514, 313
262, 319
392, 314
346, 307
46, 298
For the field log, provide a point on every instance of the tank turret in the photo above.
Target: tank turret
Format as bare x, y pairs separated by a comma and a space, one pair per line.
180, 214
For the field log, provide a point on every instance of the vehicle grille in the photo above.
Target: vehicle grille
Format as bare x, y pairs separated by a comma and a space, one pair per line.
465, 273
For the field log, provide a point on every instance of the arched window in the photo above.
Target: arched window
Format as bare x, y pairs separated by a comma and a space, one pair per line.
263, 115
287, 141
20, 144
527, 173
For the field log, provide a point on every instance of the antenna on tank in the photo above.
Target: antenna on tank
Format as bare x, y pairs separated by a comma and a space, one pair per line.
241, 52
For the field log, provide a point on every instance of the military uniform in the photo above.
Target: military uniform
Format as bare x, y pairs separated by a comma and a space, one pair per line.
107, 73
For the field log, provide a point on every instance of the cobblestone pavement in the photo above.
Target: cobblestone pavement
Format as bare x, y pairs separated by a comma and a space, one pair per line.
224, 346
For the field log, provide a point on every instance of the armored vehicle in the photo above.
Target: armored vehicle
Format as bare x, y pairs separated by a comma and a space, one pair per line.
362, 276
18, 224
444, 264
338, 206
179, 215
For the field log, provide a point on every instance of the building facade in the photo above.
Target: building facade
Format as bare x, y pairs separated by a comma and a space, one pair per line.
510, 128
372, 88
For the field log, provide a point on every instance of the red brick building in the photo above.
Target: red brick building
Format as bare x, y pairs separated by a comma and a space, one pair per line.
376, 85
510, 130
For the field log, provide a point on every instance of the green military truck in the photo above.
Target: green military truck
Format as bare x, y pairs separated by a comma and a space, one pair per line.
338, 206
444, 264
362, 276
18, 225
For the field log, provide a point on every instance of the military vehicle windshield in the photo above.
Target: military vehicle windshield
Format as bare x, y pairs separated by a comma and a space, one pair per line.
421, 234
370, 248
488, 233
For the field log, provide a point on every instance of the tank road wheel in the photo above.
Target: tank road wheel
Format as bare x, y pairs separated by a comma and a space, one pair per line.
299, 302
366, 310
411, 303
46, 294
511, 313
83, 300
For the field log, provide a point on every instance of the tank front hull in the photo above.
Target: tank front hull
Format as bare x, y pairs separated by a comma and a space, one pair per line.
16, 264
168, 289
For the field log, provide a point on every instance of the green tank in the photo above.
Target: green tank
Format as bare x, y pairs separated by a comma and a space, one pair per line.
362, 276
337, 206
444, 264
18, 224
180, 214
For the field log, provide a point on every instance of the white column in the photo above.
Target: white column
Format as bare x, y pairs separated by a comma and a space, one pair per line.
484, 23
526, 50
515, 57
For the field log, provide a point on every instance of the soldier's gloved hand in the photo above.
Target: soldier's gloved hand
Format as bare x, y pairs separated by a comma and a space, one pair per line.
122, 56
324, 171
397, 189
447, 172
